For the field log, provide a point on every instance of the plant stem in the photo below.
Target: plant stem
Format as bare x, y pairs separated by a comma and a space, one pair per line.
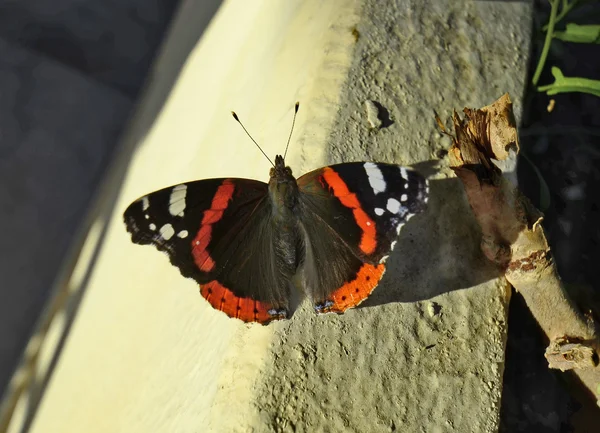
563, 11
547, 41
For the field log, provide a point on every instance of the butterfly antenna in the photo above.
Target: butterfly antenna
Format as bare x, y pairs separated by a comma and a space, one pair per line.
248, 134
291, 130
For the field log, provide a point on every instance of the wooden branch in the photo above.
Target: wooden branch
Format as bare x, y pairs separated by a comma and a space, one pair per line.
513, 238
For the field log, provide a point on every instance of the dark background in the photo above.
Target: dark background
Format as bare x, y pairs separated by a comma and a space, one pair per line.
564, 145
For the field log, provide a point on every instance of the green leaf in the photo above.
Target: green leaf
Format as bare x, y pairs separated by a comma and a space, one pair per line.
564, 84
585, 34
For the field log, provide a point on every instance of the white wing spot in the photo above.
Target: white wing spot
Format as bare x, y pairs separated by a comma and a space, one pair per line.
403, 173
197, 242
152, 227
182, 234
147, 216
167, 232
393, 205
145, 203
375, 177
368, 223
383, 259
177, 200
403, 197
379, 211
392, 245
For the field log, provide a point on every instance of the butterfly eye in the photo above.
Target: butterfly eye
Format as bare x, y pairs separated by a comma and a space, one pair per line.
288, 171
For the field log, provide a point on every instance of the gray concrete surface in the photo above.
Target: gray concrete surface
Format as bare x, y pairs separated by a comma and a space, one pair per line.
58, 132
70, 73
112, 42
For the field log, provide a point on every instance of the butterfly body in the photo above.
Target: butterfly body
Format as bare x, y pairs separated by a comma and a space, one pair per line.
250, 245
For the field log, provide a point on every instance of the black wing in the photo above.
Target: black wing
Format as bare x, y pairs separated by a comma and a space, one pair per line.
218, 232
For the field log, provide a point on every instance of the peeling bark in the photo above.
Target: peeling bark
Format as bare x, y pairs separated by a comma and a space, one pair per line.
513, 238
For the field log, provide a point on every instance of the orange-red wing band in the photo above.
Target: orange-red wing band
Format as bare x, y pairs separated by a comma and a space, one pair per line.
245, 309
354, 292
368, 241
212, 215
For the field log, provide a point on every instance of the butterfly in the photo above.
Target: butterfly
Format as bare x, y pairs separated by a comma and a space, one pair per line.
253, 247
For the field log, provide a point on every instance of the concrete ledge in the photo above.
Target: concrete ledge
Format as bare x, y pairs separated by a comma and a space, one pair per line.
426, 353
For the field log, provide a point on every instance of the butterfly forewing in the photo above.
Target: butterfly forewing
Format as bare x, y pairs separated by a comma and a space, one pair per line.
216, 231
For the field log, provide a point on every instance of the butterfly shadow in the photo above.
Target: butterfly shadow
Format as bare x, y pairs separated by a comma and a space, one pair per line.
437, 251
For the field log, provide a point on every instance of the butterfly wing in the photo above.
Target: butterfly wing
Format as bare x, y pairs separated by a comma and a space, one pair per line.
352, 214
218, 232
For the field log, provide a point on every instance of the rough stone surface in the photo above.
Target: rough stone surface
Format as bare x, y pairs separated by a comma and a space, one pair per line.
392, 365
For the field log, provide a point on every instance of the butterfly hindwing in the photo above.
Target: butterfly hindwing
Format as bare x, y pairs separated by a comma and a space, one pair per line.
333, 275
352, 214
218, 232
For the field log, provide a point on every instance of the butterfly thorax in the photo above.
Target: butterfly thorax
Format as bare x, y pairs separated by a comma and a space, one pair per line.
284, 193
283, 190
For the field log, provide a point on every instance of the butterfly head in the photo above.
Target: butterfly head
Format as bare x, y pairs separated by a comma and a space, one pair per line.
280, 173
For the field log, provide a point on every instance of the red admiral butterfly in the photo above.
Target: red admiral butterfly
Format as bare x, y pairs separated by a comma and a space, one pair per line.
249, 244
